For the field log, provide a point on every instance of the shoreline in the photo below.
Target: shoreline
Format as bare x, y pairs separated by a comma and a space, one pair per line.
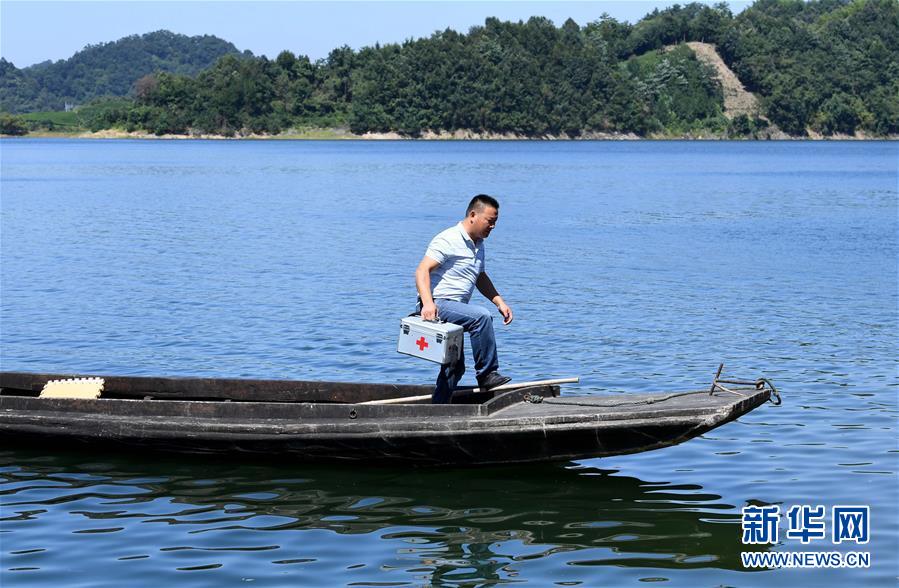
342, 134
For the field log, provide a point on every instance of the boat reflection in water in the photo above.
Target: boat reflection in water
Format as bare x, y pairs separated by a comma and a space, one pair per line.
436, 526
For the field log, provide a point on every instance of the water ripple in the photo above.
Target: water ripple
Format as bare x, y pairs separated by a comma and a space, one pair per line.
638, 267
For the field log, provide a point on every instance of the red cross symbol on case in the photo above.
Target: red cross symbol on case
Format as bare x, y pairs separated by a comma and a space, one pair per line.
422, 343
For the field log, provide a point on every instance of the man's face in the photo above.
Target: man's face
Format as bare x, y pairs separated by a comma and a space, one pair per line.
483, 221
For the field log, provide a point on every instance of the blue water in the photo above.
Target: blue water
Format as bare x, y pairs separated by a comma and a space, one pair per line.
637, 266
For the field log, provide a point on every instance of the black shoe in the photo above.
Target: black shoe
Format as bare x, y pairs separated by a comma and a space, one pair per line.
492, 380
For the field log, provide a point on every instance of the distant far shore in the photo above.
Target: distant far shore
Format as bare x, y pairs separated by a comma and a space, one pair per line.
336, 134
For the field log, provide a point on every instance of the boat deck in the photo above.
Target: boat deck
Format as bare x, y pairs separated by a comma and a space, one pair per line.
627, 405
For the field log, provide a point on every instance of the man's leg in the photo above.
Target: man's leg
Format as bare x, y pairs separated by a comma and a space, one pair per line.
448, 378
478, 321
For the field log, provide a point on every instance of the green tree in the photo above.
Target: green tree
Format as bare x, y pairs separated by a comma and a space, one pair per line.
12, 125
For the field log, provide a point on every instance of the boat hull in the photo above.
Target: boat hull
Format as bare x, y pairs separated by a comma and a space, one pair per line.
529, 425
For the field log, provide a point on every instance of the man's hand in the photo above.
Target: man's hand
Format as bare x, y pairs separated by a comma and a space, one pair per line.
429, 311
505, 311
486, 287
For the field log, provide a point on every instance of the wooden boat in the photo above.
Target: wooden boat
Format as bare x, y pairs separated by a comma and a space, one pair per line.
333, 421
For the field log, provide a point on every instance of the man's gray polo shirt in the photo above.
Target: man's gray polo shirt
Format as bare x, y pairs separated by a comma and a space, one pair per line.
461, 262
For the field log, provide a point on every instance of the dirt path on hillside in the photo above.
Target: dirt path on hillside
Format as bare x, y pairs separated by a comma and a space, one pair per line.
736, 99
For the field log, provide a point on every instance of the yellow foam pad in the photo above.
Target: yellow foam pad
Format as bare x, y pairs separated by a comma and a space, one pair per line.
73, 388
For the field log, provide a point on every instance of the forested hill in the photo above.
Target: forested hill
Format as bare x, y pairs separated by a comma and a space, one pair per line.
107, 69
828, 67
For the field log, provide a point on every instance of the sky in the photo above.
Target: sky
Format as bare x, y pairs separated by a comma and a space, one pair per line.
32, 31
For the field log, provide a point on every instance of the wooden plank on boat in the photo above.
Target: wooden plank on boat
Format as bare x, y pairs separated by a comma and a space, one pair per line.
73, 388
502, 388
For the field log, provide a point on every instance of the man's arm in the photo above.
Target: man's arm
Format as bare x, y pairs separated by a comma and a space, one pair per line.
423, 284
486, 287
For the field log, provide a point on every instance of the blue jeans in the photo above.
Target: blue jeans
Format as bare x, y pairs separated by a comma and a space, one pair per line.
478, 323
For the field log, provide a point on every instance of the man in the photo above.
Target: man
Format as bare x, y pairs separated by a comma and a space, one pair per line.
446, 277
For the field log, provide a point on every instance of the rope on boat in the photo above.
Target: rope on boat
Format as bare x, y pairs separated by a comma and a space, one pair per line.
531, 397
555, 401
774, 392
759, 385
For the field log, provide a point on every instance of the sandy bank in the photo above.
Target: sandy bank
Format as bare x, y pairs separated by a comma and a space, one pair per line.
337, 134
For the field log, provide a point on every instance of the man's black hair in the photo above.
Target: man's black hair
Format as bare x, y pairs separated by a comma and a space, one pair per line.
480, 201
